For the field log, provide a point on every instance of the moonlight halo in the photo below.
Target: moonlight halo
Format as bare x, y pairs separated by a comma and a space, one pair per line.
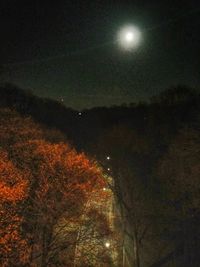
129, 37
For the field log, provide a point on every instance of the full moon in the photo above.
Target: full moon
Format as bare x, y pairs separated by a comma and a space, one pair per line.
129, 37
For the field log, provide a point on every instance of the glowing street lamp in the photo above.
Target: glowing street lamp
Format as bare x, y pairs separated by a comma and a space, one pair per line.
107, 244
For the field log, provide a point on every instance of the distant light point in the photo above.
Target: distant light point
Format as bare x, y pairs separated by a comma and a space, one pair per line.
107, 244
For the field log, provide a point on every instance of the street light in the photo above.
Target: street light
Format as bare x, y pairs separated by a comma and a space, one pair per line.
108, 157
107, 244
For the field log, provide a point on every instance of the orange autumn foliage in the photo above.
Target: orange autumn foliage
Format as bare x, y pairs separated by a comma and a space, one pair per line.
60, 180
12, 190
12, 183
42, 185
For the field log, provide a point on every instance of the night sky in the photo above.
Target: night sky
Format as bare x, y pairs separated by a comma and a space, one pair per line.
67, 49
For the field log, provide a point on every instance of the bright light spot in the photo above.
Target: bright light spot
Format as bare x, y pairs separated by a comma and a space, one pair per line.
104, 189
80, 113
107, 244
129, 37
108, 169
108, 157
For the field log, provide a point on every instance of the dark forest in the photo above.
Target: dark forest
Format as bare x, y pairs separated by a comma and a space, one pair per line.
53, 157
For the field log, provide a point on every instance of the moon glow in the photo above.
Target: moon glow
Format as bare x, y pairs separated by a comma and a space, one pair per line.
129, 37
